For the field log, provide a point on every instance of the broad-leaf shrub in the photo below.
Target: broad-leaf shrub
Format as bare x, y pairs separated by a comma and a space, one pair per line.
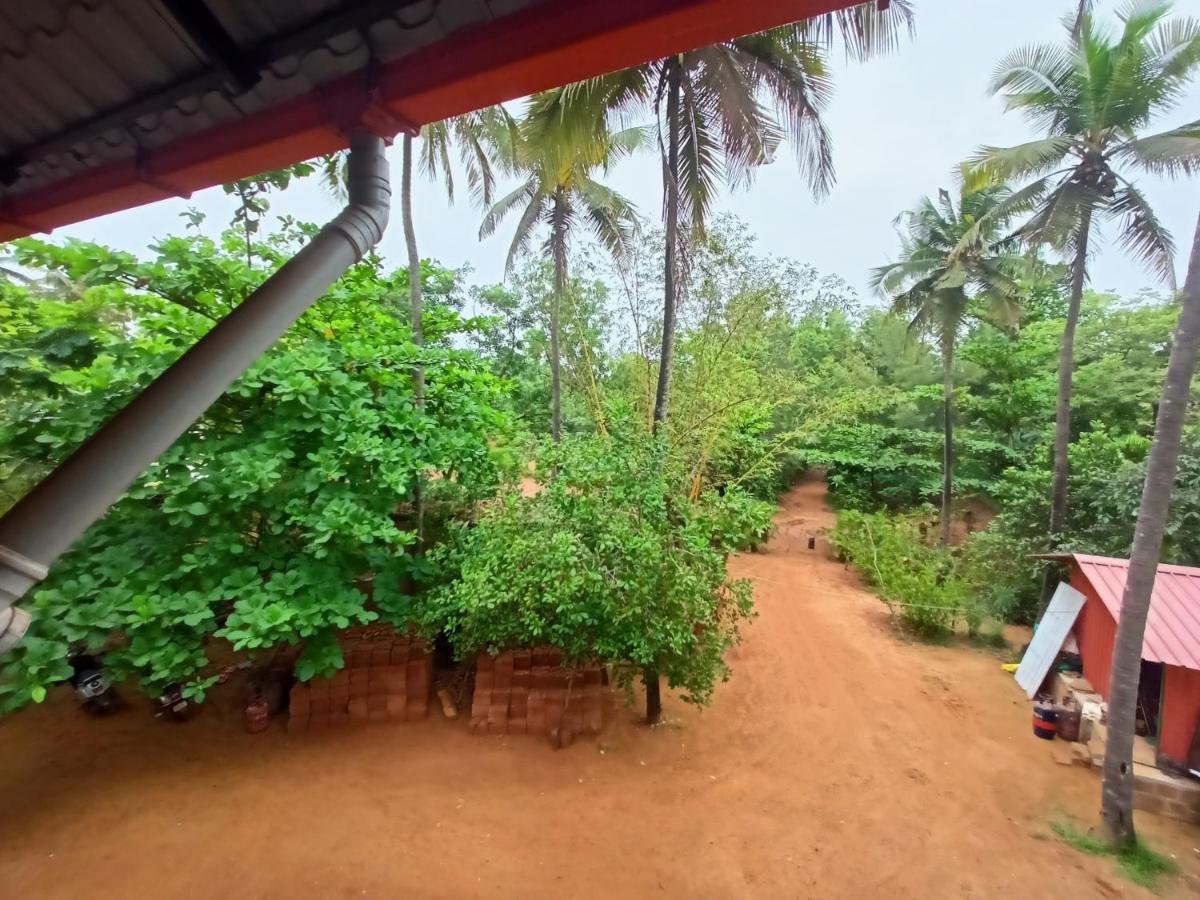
920, 583
608, 562
254, 525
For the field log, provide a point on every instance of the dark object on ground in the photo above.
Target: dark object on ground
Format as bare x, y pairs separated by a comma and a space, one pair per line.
812, 543
93, 690
273, 686
172, 703
1069, 718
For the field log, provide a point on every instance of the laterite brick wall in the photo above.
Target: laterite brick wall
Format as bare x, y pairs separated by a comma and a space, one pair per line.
386, 677
526, 692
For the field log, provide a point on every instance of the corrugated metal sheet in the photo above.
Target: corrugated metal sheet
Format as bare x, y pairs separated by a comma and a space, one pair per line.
1173, 624
108, 104
64, 63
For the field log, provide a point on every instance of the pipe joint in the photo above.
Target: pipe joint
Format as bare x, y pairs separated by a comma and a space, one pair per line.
364, 219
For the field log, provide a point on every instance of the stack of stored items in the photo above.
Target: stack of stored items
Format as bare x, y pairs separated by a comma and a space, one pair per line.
530, 692
386, 677
1071, 691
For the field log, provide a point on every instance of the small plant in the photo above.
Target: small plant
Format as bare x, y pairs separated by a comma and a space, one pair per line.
1139, 863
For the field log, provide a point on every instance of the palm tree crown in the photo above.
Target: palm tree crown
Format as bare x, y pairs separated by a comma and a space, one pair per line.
1092, 97
957, 261
559, 189
953, 258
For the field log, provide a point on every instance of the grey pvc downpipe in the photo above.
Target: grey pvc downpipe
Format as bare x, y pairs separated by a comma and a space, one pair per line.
52, 516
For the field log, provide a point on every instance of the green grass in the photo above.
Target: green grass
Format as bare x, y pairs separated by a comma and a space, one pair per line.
1139, 863
989, 638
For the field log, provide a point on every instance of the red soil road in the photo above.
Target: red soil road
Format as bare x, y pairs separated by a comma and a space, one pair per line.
838, 762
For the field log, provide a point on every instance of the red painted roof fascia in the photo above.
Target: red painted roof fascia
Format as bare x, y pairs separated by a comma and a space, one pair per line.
542, 46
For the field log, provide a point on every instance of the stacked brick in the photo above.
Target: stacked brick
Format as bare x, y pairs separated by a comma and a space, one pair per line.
386, 678
529, 692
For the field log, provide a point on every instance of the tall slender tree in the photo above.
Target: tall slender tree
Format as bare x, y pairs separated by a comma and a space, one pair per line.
1092, 96
558, 161
481, 138
1161, 466
713, 126
951, 268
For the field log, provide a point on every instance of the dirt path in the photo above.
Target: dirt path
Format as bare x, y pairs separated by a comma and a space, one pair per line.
838, 762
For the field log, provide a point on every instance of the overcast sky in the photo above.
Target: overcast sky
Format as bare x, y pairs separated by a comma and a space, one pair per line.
900, 125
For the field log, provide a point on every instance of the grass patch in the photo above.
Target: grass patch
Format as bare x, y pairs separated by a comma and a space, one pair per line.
989, 637
1139, 863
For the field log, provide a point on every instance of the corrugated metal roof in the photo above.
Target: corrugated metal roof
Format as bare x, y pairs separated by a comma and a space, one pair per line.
65, 63
108, 104
1173, 624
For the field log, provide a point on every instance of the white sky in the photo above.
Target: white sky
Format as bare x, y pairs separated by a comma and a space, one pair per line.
900, 126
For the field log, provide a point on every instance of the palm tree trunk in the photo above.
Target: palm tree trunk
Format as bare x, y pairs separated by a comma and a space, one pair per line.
1161, 466
671, 262
416, 311
948, 438
1062, 415
650, 675
558, 241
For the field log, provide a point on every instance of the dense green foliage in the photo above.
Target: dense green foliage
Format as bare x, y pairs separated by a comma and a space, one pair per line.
287, 511
255, 524
606, 562
918, 581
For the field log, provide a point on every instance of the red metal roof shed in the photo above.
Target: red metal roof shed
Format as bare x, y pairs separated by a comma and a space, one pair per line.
1172, 638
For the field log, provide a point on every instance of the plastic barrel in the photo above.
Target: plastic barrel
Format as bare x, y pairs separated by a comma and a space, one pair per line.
1045, 720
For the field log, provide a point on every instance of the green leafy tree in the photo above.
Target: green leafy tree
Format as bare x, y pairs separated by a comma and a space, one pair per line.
254, 527
1093, 97
956, 261
608, 562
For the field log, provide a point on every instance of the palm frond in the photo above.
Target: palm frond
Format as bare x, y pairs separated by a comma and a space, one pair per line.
611, 216
1142, 234
1175, 48
1057, 217
524, 193
523, 235
749, 135
700, 163
865, 30
1169, 153
1031, 159
795, 75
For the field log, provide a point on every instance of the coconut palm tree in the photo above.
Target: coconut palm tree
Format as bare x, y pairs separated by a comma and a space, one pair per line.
480, 137
559, 190
723, 110
1093, 96
952, 268
714, 126
1161, 465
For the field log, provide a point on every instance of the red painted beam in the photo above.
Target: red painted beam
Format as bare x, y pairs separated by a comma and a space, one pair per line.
554, 42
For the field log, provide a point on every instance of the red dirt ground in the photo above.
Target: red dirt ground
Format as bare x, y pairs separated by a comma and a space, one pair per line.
838, 762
